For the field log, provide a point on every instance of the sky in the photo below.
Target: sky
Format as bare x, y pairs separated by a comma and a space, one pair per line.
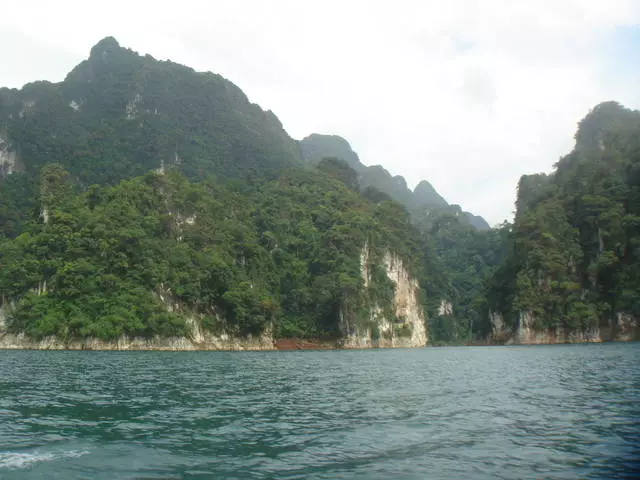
467, 94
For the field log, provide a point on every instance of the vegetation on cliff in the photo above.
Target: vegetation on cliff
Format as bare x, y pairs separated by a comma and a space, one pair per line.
459, 254
142, 256
574, 259
137, 196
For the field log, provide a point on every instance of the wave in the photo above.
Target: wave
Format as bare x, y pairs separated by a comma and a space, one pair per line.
19, 460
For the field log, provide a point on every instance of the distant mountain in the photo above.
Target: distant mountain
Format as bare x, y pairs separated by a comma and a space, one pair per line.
425, 194
477, 221
316, 146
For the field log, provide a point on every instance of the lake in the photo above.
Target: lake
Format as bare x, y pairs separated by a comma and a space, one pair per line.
563, 411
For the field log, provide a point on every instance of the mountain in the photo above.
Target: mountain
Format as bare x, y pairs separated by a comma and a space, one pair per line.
459, 250
476, 221
119, 114
573, 272
315, 147
425, 194
145, 205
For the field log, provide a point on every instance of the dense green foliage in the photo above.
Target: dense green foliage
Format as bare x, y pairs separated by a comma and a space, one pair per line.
458, 251
92, 243
148, 196
574, 259
110, 260
458, 260
18, 201
118, 115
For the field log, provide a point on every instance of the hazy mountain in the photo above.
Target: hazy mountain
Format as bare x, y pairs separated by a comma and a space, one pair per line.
315, 147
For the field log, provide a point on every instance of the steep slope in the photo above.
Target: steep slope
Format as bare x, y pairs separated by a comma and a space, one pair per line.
315, 147
159, 262
476, 221
459, 252
118, 115
123, 224
573, 271
425, 194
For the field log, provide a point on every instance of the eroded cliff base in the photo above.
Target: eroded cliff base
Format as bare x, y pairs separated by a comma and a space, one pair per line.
622, 328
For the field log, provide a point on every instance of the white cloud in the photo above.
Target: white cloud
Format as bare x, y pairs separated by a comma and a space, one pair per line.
466, 94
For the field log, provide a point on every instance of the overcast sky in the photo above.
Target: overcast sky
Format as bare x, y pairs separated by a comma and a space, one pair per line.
468, 94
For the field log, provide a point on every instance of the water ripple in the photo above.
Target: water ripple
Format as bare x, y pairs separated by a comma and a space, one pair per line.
503, 412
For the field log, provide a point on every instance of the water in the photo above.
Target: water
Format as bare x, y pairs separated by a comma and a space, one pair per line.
503, 412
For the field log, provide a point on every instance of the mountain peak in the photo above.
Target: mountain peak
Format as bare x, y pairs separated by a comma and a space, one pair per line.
316, 146
427, 195
104, 47
603, 119
118, 101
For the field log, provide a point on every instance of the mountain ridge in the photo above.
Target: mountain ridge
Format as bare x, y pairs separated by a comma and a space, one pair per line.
146, 205
316, 146
118, 100
141, 199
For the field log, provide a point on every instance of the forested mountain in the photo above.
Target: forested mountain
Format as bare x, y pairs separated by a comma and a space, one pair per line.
425, 195
573, 270
459, 251
315, 147
140, 198
285, 254
118, 115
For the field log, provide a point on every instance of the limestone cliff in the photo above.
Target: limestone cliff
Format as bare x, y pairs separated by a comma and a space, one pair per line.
623, 328
8, 159
404, 329
571, 272
445, 309
407, 329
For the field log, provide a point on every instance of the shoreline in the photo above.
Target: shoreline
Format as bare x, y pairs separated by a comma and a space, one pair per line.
285, 344
282, 345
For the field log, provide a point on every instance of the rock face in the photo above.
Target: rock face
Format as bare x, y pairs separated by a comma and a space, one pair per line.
528, 335
499, 331
623, 328
445, 309
210, 342
382, 332
407, 328
627, 328
8, 159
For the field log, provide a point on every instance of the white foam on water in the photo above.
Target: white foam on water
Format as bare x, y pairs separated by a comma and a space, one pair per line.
17, 460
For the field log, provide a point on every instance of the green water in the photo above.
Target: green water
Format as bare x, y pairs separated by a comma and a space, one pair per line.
503, 412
